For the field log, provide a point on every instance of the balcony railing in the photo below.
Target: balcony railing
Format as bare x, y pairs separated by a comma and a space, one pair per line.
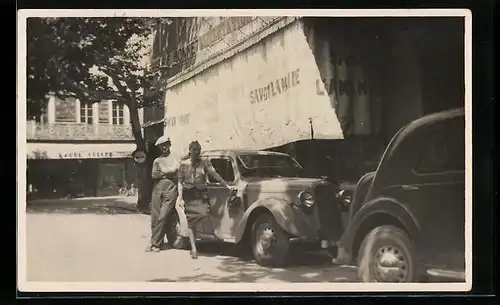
76, 131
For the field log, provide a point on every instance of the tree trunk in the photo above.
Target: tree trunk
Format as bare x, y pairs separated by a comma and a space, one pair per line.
136, 127
144, 188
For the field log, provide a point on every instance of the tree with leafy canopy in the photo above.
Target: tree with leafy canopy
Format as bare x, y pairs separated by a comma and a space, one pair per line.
92, 59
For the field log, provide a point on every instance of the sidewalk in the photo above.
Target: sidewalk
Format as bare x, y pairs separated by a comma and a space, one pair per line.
79, 205
129, 199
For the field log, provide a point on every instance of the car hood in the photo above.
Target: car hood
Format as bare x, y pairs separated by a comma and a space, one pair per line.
285, 184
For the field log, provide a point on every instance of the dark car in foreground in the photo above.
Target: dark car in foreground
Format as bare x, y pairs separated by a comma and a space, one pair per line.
407, 219
275, 209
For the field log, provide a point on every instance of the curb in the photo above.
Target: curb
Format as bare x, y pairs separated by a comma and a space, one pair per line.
131, 209
128, 204
133, 200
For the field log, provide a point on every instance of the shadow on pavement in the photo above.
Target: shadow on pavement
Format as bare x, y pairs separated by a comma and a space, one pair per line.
302, 267
104, 206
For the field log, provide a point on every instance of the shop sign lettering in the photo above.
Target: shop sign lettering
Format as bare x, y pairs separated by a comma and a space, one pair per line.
342, 87
222, 29
181, 54
215, 34
275, 87
88, 155
182, 119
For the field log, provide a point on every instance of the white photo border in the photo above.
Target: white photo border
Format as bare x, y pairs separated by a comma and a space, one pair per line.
30, 286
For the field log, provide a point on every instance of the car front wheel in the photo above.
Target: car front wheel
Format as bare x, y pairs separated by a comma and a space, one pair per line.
270, 244
387, 255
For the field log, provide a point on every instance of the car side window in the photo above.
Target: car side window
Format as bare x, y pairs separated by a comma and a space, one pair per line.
441, 148
224, 168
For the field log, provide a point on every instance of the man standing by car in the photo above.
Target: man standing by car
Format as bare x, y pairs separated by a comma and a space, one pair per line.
164, 174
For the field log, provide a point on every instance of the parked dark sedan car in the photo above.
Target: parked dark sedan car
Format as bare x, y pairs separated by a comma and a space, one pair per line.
407, 219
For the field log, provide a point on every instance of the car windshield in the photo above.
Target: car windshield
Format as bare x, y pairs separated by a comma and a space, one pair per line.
268, 165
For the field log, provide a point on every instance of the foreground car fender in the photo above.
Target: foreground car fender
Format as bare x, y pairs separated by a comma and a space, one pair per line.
291, 219
380, 211
360, 192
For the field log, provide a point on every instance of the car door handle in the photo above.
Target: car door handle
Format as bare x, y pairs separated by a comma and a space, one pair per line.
409, 187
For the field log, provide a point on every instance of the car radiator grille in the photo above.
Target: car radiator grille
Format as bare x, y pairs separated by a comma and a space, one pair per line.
328, 212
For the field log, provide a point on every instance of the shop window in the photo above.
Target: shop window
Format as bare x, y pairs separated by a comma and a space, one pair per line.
224, 168
39, 112
112, 176
441, 148
42, 118
104, 113
118, 117
86, 113
66, 110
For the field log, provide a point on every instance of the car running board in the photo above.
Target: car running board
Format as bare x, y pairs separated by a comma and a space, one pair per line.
212, 238
447, 274
206, 237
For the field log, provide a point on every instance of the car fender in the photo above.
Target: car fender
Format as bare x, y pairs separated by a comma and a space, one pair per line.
286, 215
360, 192
378, 206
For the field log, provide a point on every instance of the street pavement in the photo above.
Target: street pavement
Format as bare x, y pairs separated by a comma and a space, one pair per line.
103, 239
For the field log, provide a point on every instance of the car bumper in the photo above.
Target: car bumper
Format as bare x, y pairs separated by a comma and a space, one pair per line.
313, 243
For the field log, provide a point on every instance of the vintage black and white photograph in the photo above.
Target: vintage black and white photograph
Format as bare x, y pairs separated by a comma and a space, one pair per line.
244, 150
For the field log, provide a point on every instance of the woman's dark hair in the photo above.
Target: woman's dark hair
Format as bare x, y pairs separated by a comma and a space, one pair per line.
194, 144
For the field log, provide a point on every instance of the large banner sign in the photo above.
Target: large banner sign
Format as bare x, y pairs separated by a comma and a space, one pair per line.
263, 97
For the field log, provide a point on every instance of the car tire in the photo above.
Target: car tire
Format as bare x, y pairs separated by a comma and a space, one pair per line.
172, 231
266, 230
387, 248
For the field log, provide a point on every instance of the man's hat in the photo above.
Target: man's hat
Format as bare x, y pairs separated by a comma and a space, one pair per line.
162, 139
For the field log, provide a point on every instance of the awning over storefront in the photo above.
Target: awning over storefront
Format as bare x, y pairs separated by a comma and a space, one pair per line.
265, 96
79, 151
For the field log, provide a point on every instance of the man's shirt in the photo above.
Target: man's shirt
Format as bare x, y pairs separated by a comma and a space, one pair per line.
165, 167
196, 173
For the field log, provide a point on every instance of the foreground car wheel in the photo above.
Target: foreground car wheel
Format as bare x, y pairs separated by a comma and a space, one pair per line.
270, 244
173, 232
387, 255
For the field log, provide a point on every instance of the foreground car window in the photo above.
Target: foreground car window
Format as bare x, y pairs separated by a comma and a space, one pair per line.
268, 166
442, 148
224, 168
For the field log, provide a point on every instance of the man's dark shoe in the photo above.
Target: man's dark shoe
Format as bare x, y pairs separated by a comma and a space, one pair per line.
152, 249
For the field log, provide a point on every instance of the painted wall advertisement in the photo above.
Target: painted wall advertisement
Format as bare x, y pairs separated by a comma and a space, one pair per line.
263, 97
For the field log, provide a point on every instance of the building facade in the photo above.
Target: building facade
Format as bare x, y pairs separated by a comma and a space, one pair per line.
330, 91
77, 149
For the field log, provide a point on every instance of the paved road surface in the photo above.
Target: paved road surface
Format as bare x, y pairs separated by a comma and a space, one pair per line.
99, 240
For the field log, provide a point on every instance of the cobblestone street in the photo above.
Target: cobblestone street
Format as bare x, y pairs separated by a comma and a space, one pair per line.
104, 240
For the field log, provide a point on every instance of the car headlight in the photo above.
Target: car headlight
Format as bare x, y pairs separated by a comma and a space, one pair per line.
306, 199
344, 198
